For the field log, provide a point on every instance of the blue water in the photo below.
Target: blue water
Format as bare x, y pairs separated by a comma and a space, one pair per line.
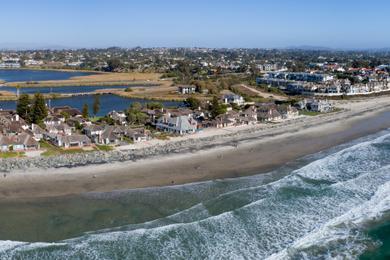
37, 75
59, 90
326, 207
108, 103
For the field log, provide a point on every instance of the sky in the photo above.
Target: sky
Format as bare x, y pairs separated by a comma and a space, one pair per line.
347, 24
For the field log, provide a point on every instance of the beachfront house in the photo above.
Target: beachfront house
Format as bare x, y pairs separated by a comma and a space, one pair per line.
249, 115
4, 143
182, 124
287, 111
72, 141
19, 142
228, 119
106, 135
138, 135
110, 135
318, 105
268, 113
93, 132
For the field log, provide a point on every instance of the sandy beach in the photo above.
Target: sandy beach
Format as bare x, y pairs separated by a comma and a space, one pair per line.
245, 151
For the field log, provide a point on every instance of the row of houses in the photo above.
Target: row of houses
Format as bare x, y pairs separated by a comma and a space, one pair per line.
72, 132
66, 128
332, 88
14, 133
185, 121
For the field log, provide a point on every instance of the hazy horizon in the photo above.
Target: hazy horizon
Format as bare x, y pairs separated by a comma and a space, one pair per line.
36, 46
219, 24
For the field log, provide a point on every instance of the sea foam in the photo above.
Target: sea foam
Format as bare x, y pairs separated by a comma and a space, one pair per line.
318, 211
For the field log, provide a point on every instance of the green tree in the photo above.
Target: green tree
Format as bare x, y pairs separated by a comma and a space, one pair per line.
96, 105
78, 125
217, 108
114, 64
136, 106
134, 114
39, 109
193, 102
154, 105
108, 120
85, 111
66, 115
23, 107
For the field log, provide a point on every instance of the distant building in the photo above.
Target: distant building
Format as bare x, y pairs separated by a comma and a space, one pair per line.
233, 99
10, 64
299, 76
267, 67
187, 89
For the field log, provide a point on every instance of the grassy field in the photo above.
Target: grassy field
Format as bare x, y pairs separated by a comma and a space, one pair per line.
256, 94
146, 85
6, 95
107, 79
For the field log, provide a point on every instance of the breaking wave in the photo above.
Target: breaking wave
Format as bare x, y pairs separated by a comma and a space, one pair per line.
321, 210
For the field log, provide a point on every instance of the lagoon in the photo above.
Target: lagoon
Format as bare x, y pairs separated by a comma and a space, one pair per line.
15, 75
108, 103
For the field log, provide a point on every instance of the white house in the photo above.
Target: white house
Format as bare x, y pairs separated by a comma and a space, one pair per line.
233, 99
187, 89
177, 124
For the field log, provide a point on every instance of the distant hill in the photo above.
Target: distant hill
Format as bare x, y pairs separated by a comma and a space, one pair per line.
309, 48
31, 46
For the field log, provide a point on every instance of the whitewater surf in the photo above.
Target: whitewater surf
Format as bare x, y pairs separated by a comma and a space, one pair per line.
324, 209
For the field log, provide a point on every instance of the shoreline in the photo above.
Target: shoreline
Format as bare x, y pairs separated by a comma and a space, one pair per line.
250, 151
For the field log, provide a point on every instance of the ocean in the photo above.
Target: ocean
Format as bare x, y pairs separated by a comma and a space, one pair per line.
331, 205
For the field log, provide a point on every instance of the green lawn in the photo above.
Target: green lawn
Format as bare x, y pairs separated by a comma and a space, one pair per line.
52, 150
104, 148
128, 140
95, 119
5, 155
